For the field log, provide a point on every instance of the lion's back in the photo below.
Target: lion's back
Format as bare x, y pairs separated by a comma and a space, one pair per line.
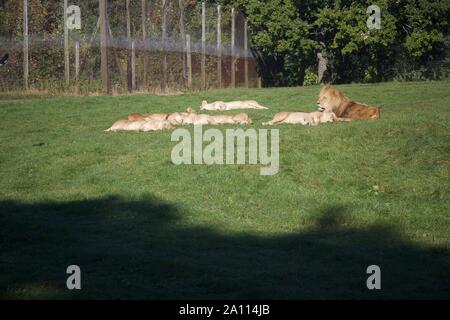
360, 111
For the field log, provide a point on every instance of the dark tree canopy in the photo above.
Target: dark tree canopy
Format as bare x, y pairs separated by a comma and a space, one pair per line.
413, 39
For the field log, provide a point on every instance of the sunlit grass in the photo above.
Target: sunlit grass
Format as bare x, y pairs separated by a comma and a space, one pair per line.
346, 194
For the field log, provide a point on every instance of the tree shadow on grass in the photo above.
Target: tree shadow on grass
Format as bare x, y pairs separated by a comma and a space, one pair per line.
146, 249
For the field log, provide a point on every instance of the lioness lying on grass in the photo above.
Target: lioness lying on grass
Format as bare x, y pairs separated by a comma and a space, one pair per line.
234, 105
148, 123
304, 118
144, 117
174, 118
204, 119
140, 125
241, 118
177, 118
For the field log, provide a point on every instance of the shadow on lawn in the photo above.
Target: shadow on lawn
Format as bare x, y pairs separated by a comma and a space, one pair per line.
145, 249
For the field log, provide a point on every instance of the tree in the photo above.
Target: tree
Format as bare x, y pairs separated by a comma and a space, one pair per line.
290, 33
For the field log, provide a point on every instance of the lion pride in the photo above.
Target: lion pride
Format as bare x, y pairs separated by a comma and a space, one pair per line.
333, 100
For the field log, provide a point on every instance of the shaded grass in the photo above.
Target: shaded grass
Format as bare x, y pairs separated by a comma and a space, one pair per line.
347, 195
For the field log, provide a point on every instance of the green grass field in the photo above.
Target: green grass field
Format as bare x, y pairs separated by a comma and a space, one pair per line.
348, 195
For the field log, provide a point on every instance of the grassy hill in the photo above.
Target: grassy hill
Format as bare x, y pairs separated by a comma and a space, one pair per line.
348, 195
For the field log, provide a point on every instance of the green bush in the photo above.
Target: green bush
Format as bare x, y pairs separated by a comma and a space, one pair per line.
310, 78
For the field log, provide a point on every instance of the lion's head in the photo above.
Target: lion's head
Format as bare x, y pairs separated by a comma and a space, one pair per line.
242, 118
331, 100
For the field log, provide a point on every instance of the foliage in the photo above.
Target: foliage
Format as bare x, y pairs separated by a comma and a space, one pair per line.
310, 78
289, 33
286, 35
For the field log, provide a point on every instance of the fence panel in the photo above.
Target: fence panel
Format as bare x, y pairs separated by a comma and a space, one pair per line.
147, 49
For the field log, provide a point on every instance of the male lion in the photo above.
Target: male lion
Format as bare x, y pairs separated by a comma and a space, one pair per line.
333, 100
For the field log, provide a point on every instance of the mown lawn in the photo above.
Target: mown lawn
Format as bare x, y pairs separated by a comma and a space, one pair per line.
348, 195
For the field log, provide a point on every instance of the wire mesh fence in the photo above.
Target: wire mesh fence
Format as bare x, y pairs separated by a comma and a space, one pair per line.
149, 45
